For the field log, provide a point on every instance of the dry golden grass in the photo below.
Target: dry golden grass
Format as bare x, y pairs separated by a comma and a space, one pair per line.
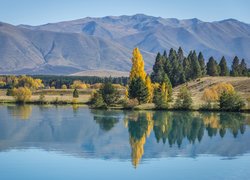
66, 96
241, 85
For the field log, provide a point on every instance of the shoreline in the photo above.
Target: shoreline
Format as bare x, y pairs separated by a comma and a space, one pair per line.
137, 108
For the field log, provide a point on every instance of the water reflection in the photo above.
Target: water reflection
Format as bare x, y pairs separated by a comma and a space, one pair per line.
22, 112
105, 119
140, 125
124, 134
174, 127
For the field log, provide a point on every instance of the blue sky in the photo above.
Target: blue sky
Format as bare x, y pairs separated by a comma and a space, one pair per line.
35, 12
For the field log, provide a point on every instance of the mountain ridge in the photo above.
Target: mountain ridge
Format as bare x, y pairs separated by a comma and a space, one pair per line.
70, 47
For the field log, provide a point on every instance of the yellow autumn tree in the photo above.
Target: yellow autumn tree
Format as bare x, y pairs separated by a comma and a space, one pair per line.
137, 69
22, 94
150, 89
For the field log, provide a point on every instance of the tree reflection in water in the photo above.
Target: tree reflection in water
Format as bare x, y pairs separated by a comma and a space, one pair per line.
105, 119
174, 127
22, 112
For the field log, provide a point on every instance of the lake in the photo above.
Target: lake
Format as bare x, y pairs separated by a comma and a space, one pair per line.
75, 142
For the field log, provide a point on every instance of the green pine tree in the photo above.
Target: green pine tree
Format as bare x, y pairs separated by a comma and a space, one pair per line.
212, 67
195, 66
158, 69
223, 67
202, 64
243, 68
75, 93
235, 70
138, 90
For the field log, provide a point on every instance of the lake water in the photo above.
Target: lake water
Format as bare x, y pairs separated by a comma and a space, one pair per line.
71, 142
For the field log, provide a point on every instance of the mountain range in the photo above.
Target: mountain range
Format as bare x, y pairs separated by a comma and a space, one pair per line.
99, 44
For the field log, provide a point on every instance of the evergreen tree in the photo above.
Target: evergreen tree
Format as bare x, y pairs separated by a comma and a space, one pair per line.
202, 64
109, 93
158, 69
180, 55
243, 68
223, 67
212, 68
168, 85
184, 100
187, 69
167, 66
177, 69
161, 97
235, 67
195, 66
75, 93
138, 90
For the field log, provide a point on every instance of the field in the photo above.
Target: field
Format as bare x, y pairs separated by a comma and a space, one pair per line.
52, 95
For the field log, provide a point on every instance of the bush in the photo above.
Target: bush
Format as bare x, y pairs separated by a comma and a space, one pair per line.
109, 94
96, 101
22, 94
9, 92
131, 103
231, 102
184, 100
75, 93
64, 86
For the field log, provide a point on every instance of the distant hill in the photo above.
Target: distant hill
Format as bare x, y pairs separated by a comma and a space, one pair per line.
106, 43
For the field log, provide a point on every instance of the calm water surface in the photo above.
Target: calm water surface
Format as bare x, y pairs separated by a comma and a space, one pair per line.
65, 142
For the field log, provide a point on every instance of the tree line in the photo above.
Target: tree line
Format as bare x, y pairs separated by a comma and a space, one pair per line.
180, 69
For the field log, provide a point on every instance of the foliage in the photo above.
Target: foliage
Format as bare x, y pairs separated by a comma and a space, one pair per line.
22, 94
29, 82
109, 93
212, 67
158, 69
137, 70
231, 101
161, 97
77, 84
2, 84
202, 64
96, 100
9, 92
138, 89
235, 69
75, 93
106, 96
213, 93
184, 100
150, 89
224, 71
64, 86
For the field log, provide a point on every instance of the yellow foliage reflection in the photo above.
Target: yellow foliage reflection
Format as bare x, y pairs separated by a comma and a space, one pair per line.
140, 125
23, 112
